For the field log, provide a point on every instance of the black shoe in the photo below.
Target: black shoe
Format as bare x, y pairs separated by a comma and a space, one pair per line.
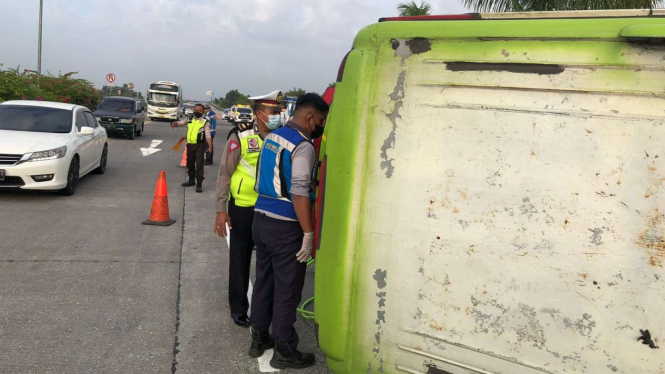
189, 183
240, 319
261, 341
207, 163
199, 187
287, 357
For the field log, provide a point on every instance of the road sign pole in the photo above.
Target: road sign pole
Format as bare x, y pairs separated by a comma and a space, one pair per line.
39, 52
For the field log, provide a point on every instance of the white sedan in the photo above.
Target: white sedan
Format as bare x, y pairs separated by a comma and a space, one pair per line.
49, 146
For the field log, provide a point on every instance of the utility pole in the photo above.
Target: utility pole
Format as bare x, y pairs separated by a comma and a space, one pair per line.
39, 52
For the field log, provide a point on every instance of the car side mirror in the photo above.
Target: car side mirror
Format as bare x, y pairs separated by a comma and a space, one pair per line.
86, 131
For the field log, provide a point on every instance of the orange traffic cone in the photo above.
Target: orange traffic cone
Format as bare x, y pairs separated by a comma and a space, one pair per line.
183, 161
159, 215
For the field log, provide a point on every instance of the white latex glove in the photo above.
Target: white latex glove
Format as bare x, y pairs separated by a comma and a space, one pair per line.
307, 244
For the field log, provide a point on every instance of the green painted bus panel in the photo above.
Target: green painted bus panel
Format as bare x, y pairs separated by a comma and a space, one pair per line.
337, 250
349, 294
644, 31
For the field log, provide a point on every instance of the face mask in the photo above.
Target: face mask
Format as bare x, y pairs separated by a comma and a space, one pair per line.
317, 132
274, 122
198, 114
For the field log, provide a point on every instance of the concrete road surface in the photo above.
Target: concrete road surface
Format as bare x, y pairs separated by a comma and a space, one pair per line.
86, 288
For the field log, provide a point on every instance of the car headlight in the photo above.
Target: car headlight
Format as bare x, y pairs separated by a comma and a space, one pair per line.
98, 118
51, 154
126, 121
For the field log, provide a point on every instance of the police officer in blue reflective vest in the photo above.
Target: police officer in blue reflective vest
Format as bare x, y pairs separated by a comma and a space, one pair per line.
283, 231
211, 116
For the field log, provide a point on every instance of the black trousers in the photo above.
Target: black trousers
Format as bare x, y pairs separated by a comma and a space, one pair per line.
279, 277
195, 154
209, 152
240, 256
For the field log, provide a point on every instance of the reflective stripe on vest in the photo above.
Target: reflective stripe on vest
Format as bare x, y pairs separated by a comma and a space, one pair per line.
244, 177
196, 131
273, 181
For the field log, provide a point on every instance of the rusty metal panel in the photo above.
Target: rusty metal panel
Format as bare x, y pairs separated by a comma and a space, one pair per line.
517, 217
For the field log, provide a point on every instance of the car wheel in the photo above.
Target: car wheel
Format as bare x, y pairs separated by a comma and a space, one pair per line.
139, 131
102, 161
132, 134
72, 178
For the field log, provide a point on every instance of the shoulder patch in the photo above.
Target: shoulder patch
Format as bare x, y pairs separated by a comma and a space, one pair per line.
233, 145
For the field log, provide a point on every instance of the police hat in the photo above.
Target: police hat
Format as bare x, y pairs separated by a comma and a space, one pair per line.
206, 105
271, 100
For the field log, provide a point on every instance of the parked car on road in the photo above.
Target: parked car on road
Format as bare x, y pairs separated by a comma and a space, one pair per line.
121, 115
49, 146
225, 115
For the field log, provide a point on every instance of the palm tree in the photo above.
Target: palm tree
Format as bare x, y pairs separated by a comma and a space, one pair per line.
551, 5
411, 9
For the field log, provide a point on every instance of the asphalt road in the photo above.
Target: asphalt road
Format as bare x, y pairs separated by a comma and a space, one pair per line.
86, 288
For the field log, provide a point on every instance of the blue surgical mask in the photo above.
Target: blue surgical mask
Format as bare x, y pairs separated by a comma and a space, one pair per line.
274, 122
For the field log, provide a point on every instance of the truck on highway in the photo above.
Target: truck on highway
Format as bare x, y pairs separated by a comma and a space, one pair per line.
492, 196
164, 101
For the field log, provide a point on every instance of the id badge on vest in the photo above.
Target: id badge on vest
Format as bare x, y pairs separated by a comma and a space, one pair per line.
253, 145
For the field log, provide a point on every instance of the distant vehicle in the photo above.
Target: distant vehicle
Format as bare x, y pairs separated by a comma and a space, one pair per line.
49, 146
188, 109
241, 113
225, 115
121, 115
289, 103
164, 101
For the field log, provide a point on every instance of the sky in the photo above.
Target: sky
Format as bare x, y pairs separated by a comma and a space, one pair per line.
255, 46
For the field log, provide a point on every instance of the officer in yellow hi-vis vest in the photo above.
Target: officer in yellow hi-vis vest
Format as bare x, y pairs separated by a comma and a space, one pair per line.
237, 175
198, 135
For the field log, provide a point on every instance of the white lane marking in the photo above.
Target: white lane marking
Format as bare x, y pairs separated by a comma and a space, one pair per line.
150, 150
264, 362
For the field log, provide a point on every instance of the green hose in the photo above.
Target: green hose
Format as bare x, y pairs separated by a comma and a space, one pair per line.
304, 313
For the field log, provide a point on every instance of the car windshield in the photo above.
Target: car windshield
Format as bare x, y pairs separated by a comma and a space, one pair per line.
162, 97
35, 119
244, 111
116, 105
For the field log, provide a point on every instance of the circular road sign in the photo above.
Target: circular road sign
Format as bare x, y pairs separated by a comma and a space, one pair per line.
110, 77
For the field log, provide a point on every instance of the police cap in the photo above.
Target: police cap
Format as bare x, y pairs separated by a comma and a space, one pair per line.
271, 100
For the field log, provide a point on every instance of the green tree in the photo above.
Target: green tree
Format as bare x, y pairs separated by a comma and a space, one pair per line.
295, 92
232, 98
411, 9
556, 5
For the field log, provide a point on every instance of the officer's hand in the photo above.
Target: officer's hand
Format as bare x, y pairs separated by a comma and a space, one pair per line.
307, 244
222, 220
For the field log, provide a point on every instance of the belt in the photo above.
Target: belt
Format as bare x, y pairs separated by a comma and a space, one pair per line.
264, 217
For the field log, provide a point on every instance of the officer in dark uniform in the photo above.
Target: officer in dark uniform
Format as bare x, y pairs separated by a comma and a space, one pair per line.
237, 176
283, 231
198, 136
